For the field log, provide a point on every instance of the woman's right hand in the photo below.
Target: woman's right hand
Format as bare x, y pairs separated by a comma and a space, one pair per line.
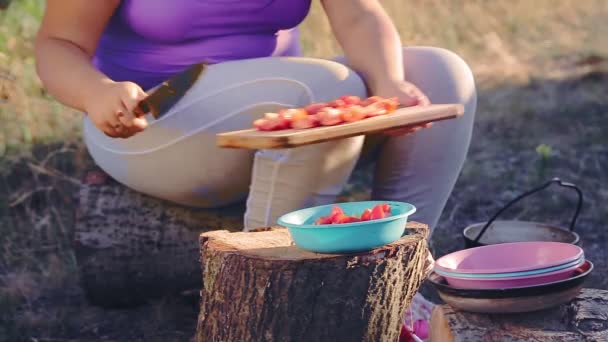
112, 108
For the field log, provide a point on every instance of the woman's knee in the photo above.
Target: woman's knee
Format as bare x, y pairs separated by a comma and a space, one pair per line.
442, 74
333, 79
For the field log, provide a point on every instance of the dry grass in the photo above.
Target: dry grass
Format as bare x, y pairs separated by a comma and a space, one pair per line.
28, 116
542, 73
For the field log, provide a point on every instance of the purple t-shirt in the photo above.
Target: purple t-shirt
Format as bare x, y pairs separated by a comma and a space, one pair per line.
148, 41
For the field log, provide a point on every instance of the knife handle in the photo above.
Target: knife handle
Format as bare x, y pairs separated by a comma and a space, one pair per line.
142, 108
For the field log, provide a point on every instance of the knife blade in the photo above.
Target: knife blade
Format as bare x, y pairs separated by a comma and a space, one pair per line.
165, 96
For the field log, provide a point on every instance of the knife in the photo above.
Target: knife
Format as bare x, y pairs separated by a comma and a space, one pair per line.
165, 96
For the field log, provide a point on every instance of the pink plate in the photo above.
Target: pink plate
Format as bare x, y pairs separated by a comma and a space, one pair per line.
507, 283
509, 257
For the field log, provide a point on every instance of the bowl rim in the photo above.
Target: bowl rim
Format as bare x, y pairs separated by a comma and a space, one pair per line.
467, 231
281, 220
501, 275
438, 263
440, 283
534, 276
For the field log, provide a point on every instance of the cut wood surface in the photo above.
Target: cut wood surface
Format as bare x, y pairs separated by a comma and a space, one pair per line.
259, 286
583, 319
254, 139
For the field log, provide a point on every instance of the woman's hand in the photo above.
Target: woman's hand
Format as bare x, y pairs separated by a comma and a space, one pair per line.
112, 109
408, 95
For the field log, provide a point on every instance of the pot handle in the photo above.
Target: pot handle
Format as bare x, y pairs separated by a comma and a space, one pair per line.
542, 187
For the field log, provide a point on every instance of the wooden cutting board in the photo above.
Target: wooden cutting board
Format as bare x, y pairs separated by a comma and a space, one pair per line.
402, 117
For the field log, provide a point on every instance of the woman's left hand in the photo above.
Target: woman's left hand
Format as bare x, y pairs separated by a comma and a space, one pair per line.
408, 95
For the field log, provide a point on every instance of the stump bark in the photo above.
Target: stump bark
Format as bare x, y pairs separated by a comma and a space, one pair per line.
258, 286
583, 319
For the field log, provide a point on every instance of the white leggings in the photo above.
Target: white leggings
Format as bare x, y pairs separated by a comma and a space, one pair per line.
176, 157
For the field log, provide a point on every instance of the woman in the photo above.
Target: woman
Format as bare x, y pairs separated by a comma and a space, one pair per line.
100, 56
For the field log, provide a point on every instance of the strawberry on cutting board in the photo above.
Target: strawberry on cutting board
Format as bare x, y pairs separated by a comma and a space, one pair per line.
342, 110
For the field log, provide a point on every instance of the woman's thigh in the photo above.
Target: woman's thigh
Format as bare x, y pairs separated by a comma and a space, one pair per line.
176, 158
422, 168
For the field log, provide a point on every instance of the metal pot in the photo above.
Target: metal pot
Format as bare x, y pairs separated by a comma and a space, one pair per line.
497, 231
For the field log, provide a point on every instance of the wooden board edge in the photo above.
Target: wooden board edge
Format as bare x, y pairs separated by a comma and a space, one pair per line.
228, 139
225, 141
296, 141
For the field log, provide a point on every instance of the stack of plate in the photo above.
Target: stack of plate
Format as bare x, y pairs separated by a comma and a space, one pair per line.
525, 276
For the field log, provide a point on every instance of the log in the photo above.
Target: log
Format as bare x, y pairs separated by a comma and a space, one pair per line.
130, 247
258, 286
583, 319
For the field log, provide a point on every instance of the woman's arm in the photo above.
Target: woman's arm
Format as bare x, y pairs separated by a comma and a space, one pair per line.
65, 44
372, 47
368, 37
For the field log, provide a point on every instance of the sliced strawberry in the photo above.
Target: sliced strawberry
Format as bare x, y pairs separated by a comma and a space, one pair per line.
261, 124
276, 121
268, 124
313, 108
391, 104
380, 108
309, 121
351, 100
293, 114
330, 116
323, 220
367, 215
352, 219
377, 213
335, 211
353, 113
342, 219
370, 100
337, 103
386, 208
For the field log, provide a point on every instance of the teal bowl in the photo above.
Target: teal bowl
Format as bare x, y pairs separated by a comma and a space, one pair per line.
348, 237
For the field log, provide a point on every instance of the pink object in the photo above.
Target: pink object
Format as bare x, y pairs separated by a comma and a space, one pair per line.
511, 282
421, 329
509, 257
417, 316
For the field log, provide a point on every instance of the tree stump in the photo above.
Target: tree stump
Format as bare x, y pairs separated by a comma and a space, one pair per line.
258, 286
583, 319
131, 247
